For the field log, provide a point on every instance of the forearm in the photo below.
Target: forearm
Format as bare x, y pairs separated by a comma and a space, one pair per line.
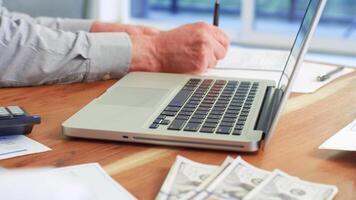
31, 54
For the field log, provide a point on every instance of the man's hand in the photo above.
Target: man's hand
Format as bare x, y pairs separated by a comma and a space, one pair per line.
130, 29
188, 49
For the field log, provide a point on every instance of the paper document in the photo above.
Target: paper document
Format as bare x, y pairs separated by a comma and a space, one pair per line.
19, 145
345, 139
307, 79
254, 59
332, 59
81, 182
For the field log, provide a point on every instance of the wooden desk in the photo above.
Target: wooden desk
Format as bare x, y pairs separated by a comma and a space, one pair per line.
308, 121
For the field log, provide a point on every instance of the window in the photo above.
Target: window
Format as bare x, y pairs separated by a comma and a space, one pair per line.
269, 23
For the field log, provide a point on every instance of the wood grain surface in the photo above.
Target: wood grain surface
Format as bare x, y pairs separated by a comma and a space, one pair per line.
309, 119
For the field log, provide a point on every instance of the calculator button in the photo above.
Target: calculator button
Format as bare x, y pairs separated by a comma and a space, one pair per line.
4, 112
16, 111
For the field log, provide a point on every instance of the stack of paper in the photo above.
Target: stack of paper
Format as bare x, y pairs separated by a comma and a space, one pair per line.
82, 182
236, 179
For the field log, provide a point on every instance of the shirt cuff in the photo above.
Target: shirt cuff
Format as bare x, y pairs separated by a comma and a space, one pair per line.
109, 54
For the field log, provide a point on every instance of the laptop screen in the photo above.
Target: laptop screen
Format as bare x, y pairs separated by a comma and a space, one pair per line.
307, 28
299, 42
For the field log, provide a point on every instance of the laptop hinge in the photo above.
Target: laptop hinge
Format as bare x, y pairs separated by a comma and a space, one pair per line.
269, 109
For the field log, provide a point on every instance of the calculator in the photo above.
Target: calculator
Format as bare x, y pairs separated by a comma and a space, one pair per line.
14, 120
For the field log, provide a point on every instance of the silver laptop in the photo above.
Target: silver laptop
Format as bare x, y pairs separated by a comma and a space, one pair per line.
194, 111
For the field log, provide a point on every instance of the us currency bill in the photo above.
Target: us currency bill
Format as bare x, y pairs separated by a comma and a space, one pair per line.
192, 194
235, 182
184, 176
282, 186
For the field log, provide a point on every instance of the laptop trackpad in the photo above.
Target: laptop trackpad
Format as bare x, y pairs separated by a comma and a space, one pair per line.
133, 96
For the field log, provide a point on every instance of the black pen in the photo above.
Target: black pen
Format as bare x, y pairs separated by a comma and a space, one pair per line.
216, 13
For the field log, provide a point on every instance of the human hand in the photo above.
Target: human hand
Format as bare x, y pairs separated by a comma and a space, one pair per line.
192, 48
130, 29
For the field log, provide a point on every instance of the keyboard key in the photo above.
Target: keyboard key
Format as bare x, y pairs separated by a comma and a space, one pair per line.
220, 82
177, 125
233, 112
214, 121
219, 109
237, 132
196, 99
214, 116
173, 109
202, 112
206, 105
193, 102
203, 109
161, 117
241, 118
215, 112
186, 113
235, 108
230, 116
227, 124
169, 113
191, 106
207, 130
239, 127
165, 122
180, 99
220, 101
154, 126
199, 116
195, 120
185, 109
231, 120
210, 125
183, 117
158, 121
218, 105
224, 130
193, 127
240, 123
243, 114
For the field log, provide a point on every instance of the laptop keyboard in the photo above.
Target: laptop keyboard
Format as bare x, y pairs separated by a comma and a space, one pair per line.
209, 106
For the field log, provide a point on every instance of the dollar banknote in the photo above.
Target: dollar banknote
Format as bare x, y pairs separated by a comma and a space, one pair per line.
282, 186
184, 176
235, 182
192, 194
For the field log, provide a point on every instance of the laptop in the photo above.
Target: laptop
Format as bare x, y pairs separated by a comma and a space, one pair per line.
194, 111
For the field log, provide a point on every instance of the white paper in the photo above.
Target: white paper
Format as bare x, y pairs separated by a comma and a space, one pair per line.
254, 59
81, 182
19, 145
345, 139
307, 79
268, 65
332, 59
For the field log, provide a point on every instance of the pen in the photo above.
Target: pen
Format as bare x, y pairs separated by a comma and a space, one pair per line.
216, 13
329, 74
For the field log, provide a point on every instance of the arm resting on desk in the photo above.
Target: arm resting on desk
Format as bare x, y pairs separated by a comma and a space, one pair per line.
32, 54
